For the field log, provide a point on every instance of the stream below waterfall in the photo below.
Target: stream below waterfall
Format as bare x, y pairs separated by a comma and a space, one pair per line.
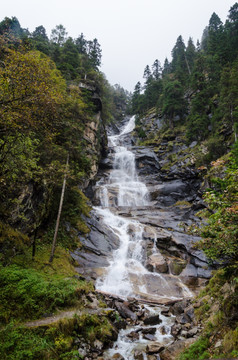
127, 276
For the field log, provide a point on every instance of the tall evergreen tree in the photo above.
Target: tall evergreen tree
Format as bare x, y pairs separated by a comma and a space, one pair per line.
40, 40
156, 69
59, 35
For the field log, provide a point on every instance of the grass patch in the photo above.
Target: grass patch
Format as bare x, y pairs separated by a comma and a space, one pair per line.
197, 351
57, 341
28, 294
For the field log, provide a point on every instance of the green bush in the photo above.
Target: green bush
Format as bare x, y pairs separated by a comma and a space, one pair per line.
197, 350
25, 293
21, 343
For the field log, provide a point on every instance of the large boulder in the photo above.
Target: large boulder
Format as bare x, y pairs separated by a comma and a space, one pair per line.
157, 263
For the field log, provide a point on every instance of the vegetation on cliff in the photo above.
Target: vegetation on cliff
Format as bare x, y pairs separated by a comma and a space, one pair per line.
54, 103
194, 100
198, 88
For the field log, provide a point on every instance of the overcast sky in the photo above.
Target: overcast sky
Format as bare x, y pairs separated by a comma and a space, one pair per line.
132, 33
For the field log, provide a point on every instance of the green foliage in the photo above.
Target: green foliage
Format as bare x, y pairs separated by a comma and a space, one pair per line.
20, 343
221, 233
12, 242
31, 295
56, 341
198, 350
199, 86
172, 100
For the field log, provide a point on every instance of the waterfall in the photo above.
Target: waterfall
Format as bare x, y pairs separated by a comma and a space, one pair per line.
122, 191
126, 275
130, 192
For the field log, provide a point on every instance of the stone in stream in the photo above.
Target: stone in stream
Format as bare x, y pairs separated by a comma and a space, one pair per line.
124, 311
152, 320
118, 356
134, 335
151, 331
165, 311
149, 337
138, 355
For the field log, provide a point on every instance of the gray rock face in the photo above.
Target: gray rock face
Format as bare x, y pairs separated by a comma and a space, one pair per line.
146, 160
96, 246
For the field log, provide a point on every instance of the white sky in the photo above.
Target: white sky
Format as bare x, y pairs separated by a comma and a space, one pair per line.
132, 33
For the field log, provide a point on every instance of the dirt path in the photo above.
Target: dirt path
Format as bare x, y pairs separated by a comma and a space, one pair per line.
63, 315
52, 319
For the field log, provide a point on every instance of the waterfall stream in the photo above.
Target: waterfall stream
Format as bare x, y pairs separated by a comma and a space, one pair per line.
126, 275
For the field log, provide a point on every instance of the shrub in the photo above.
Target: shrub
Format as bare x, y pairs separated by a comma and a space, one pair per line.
25, 293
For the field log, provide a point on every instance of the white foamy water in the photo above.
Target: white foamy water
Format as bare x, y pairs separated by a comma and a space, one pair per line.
130, 192
126, 274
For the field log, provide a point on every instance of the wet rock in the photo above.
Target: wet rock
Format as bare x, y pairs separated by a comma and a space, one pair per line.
151, 331
124, 311
157, 263
165, 311
149, 337
152, 320
184, 333
177, 265
163, 330
106, 163
169, 192
149, 233
121, 324
132, 304
138, 355
118, 356
163, 285
154, 348
133, 335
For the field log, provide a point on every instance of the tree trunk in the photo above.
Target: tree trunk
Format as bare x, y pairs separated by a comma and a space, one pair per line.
186, 60
34, 245
59, 212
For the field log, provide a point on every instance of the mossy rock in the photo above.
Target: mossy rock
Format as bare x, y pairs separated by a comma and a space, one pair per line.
176, 266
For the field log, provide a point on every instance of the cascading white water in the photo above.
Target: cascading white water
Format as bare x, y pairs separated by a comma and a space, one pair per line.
130, 192
126, 275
